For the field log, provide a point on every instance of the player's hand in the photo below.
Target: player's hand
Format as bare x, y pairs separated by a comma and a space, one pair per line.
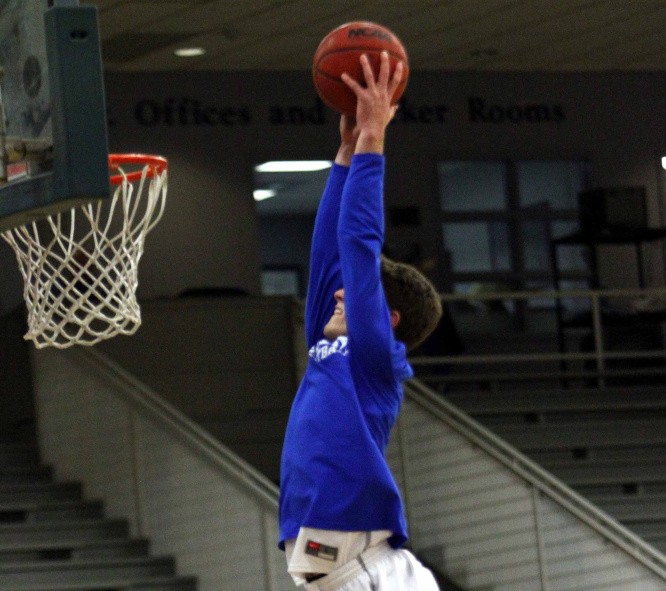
348, 130
374, 108
348, 135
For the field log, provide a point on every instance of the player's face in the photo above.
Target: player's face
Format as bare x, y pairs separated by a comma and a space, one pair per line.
337, 325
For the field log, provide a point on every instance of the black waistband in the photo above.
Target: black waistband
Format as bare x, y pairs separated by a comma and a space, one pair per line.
313, 577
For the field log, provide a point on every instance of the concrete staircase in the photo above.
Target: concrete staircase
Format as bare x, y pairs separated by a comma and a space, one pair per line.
51, 539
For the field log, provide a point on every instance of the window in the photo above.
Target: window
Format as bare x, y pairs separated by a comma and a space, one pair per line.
472, 186
554, 182
478, 246
281, 281
498, 219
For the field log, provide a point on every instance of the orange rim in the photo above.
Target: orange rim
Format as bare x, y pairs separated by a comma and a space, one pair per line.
156, 164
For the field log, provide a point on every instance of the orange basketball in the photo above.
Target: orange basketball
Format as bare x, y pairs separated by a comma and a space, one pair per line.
340, 51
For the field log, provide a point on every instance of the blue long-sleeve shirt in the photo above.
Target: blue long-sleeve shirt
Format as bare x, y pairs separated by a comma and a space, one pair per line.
333, 471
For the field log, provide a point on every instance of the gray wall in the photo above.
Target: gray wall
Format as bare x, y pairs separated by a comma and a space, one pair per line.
228, 363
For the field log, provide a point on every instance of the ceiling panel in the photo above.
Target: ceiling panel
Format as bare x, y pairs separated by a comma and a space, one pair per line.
135, 16
609, 43
555, 35
243, 18
497, 29
547, 42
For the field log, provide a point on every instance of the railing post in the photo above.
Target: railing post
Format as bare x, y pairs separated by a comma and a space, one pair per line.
598, 339
137, 476
541, 558
402, 447
267, 541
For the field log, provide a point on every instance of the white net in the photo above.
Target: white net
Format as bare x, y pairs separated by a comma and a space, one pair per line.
80, 267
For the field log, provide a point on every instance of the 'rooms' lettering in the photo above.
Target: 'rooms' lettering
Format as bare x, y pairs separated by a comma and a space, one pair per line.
480, 111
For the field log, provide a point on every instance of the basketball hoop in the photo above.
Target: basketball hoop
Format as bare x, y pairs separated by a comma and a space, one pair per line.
80, 267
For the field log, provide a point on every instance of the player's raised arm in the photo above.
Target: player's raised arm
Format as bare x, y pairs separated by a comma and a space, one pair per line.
361, 224
348, 137
325, 277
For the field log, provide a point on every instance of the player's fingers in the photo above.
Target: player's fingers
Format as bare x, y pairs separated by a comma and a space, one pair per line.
396, 79
349, 81
368, 74
384, 67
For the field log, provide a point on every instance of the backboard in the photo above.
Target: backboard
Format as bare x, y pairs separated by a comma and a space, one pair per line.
25, 84
53, 135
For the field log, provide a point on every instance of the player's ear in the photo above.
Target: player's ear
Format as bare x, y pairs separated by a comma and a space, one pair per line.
395, 318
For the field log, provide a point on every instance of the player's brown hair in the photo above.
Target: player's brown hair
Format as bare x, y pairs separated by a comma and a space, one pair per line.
410, 293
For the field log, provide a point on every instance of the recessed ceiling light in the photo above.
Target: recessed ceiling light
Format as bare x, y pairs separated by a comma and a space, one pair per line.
293, 166
663, 162
261, 194
190, 51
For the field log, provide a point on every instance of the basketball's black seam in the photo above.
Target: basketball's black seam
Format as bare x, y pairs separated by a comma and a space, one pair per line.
333, 78
366, 49
330, 77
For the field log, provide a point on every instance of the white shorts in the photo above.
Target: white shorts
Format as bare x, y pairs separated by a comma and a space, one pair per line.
380, 568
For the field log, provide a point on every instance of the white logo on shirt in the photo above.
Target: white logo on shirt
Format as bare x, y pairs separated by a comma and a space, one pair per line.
324, 348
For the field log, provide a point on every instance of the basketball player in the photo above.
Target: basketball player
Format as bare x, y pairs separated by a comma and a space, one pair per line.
341, 516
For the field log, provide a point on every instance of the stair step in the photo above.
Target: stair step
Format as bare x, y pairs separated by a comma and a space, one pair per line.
648, 529
632, 507
559, 400
58, 534
71, 511
180, 584
581, 455
18, 454
589, 433
39, 492
602, 472
28, 575
25, 473
26, 512
28, 506
139, 584
112, 548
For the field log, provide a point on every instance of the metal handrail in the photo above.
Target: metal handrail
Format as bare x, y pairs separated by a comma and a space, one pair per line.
536, 476
555, 294
529, 357
144, 399
599, 354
